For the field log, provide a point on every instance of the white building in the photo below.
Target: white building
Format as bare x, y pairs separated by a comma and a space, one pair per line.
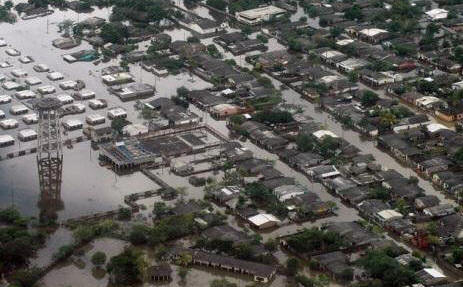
286, 192
135, 130
67, 85
258, 15
55, 76
19, 73
95, 119
117, 113
388, 214
264, 220
4, 99
26, 60
78, 107
65, 99
6, 140
9, 124
10, 85
427, 101
40, 68
18, 109
26, 94
72, 124
12, 52
117, 79
85, 94
27, 135
434, 127
5, 64
48, 89
324, 133
437, 14
32, 81
30, 119
96, 104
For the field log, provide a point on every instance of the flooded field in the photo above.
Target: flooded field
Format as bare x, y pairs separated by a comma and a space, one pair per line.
79, 271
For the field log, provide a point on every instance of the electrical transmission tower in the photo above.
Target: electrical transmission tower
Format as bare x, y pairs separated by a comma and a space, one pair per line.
49, 158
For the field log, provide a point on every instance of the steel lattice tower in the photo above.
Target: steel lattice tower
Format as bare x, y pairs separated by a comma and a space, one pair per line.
49, 158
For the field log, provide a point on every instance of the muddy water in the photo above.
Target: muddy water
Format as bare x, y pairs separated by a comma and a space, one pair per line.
86, 187
44, 256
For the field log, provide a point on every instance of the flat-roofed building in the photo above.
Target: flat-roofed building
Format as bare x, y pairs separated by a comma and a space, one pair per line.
65, 99
26, 94
27, 135
30, 119
95, 119
4, 99
72, 124
18, 109
6, 140
9, 124
96, 104
45, 90
32, 81
117, 113
264, 220
260, 14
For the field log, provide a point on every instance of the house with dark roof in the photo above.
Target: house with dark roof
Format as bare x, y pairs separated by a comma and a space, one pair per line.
439, 210
354, 195
399, 147
400, 186
204, 99
355, 236
159, 273
450, 228
261, 272
427, 201
371, 207
335, 263
433, 165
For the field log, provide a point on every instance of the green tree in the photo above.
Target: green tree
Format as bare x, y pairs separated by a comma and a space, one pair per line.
213, 51
459, 155
26, 277
127, 267
217, 4
118, 124
160, 209
293, 265
139, 234
99, 258
369, 98
353, 13
63, 252
114, 33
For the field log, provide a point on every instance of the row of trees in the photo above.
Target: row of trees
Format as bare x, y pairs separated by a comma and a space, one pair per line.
17, 242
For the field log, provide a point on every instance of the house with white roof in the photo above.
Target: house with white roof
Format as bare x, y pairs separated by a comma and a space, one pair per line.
264, 220
6, 140
437, 14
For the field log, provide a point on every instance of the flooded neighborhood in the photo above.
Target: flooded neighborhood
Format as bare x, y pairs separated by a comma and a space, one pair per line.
229, 143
